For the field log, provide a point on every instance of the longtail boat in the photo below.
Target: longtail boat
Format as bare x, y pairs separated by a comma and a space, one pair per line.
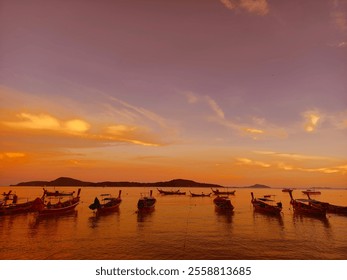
56, 193
223, 203
266, 205
177, 192
218, 192
108, 203
330, 208
286, 190
312, 192
9, 205
303, 206
146, 203
62, 205
199, 194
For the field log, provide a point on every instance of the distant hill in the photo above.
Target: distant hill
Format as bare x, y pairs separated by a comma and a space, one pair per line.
66, 181
61, 181
258, 186
175, 183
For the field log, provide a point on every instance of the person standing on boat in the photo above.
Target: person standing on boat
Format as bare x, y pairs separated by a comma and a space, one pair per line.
96, 203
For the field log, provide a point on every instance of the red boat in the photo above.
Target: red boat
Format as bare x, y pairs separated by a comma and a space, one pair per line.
266, 205
108, 203
146, 203
223, 203
330, 208
304, 206
9, 205
61, 207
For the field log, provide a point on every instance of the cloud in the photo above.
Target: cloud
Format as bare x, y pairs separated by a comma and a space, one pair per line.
191, 97
247, 161
294, 156
78, 128
47, 122
214, 106
340, 20
11, 155
304, 160
259, 7
139, 112
312, 120
338, 15
130, 134
256, 128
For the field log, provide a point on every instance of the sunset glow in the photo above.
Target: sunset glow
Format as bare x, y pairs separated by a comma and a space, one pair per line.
232, 92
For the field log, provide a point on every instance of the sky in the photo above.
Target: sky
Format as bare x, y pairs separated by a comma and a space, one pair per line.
232, 92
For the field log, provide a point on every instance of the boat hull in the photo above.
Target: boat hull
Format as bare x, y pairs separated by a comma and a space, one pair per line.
20, 208
302, 208
104, 209
199, 195
218, 192
265, 208
56, 210
146, 204
178, 192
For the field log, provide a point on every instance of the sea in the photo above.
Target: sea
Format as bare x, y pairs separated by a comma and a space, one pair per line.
180, 228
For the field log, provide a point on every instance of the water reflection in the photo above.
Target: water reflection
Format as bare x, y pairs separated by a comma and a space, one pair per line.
9, 222
299, 218
51, 223
269, 218
224, 216
106, 217
143, 216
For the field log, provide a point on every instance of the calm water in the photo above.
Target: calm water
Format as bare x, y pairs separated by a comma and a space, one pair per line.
181, 227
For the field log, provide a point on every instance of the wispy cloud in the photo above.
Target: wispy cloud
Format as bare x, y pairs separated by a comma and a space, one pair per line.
342, 169
142, 112
303, 163
247, 161
259, 7
191, 97
256, 128
214, 106
293, 156
342, 45
325, 170
11, 155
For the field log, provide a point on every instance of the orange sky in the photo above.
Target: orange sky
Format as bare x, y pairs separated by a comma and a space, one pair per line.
228, 92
